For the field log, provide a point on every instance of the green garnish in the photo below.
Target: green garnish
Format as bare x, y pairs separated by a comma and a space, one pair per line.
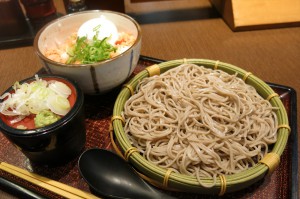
96, 28
44, 118
88, 52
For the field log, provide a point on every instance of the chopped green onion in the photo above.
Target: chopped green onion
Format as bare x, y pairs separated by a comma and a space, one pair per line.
88, 52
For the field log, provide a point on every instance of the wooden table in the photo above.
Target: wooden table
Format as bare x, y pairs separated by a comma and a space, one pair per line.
189, 29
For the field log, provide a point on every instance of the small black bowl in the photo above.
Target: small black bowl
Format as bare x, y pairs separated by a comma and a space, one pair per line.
56, 143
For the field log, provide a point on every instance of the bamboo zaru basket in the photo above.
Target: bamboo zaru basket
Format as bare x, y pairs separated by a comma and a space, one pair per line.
169, 180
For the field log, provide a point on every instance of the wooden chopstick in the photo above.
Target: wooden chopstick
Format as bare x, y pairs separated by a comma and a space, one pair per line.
46, 183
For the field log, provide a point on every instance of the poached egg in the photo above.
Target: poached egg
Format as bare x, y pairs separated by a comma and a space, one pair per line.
103, 26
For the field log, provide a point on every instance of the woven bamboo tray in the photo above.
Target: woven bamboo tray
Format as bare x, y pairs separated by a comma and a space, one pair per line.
178, 182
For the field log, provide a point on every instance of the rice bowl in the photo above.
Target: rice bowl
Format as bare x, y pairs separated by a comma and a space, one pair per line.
94, 78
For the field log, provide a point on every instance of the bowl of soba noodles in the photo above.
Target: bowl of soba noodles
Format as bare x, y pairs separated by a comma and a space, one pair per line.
43, 116
97, 48
200, 126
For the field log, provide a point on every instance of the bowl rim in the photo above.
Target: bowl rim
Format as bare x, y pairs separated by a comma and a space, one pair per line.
6, 129
97, 64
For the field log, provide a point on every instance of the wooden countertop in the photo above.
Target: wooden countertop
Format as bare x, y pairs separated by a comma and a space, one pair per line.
190, 29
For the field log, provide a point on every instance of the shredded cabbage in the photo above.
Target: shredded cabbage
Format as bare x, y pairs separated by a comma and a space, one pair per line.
34, 97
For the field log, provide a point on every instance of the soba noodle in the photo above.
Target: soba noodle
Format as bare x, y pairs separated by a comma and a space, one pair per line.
200, 122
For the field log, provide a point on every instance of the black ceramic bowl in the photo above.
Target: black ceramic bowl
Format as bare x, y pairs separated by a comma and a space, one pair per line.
58, 142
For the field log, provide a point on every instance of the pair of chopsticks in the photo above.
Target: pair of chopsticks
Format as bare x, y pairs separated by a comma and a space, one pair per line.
46, 183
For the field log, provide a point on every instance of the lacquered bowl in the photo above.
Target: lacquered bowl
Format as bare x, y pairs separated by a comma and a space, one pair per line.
96, 78
58, 142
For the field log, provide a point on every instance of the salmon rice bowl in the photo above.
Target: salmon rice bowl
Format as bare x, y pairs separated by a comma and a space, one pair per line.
96, 40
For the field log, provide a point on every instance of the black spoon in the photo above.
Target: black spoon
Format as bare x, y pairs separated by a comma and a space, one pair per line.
109, 175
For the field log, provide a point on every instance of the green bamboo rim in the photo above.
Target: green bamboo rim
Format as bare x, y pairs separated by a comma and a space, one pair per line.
186, 183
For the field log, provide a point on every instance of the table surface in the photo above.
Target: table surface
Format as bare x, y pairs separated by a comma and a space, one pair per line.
188, 29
